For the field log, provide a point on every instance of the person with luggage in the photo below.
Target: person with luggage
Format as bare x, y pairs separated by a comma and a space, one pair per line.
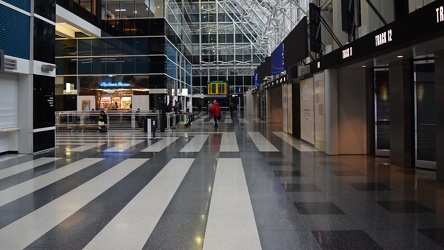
103, 122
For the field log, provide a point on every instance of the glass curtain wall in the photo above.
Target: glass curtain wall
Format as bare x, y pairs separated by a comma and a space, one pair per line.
221, 50
140, 49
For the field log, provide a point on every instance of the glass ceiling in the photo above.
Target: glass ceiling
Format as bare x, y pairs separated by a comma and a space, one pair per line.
268, 21
232, 37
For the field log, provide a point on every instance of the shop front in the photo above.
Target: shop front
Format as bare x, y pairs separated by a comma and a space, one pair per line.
116, 92
115, 102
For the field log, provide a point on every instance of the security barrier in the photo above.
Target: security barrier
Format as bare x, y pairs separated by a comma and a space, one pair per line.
88, 120
118, 120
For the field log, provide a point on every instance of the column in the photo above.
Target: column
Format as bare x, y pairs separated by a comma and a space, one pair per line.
439, 91
331, 112
401, 113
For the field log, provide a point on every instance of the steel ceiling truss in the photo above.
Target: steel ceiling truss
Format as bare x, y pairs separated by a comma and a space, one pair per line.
234, 36
270, 21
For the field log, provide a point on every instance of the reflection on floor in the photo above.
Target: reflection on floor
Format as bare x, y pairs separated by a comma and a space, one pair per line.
243, 185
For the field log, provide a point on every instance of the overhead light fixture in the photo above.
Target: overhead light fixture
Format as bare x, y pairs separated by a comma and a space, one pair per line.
400, 56
120, 10
47, 67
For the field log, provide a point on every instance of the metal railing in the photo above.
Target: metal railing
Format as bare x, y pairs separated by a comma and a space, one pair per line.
118, 120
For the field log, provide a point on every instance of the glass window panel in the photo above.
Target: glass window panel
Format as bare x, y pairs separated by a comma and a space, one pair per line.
141, 64
45, 9
85, 65
230, 38
212, 18
213, 38
205, 38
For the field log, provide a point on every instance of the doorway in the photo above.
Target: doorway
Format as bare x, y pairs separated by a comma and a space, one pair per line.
425, 114
382, 112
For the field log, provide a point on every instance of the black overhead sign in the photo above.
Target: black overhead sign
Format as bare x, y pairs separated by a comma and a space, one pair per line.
420, 26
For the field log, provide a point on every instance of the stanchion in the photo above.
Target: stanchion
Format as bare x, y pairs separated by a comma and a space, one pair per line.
151, 128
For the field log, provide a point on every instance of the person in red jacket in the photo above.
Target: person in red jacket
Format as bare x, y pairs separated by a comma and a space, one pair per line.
215, 110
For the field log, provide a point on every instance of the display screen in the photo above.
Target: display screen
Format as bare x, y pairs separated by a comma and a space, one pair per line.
277, 60
217, 88
296, 44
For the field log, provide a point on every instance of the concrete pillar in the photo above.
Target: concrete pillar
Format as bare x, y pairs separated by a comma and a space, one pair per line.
401, 113
439, 91
331, 112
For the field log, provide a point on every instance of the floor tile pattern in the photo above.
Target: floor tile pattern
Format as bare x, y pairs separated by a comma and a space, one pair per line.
244, 185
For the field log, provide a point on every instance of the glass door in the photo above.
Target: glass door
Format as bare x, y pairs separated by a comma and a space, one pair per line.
425, 114
382, 112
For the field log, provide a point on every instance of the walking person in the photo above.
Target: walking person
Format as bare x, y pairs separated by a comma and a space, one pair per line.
215, 110
231, 109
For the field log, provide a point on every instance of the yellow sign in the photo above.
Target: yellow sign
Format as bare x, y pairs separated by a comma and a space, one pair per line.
217, 88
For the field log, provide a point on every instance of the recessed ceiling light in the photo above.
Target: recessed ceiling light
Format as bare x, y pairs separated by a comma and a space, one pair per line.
364, 66
400, 56
120, 9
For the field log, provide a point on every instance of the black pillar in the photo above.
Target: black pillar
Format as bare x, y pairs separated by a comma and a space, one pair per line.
401, 113
439, 91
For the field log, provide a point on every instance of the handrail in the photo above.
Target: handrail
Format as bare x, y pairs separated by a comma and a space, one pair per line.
117, 119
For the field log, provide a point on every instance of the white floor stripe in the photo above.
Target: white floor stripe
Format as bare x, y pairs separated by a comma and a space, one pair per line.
262, 143
228, 120
26, 230
9, 157
229, 142
79, 141
160, 145
124, 146
27, 187
140, 216
86, 146
297, 144
231, 223
25, 166
195, 145
69, 143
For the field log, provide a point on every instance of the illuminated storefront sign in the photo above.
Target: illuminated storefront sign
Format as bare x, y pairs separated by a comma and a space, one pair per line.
115, 84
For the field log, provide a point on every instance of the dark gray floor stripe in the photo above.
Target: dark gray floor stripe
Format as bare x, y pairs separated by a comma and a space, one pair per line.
76, 231
19, 160
39, 198
32, 173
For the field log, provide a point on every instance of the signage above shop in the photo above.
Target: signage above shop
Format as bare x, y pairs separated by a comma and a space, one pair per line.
383, 38
423, 25
346, 53
303, 70
115, 84
440, 14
